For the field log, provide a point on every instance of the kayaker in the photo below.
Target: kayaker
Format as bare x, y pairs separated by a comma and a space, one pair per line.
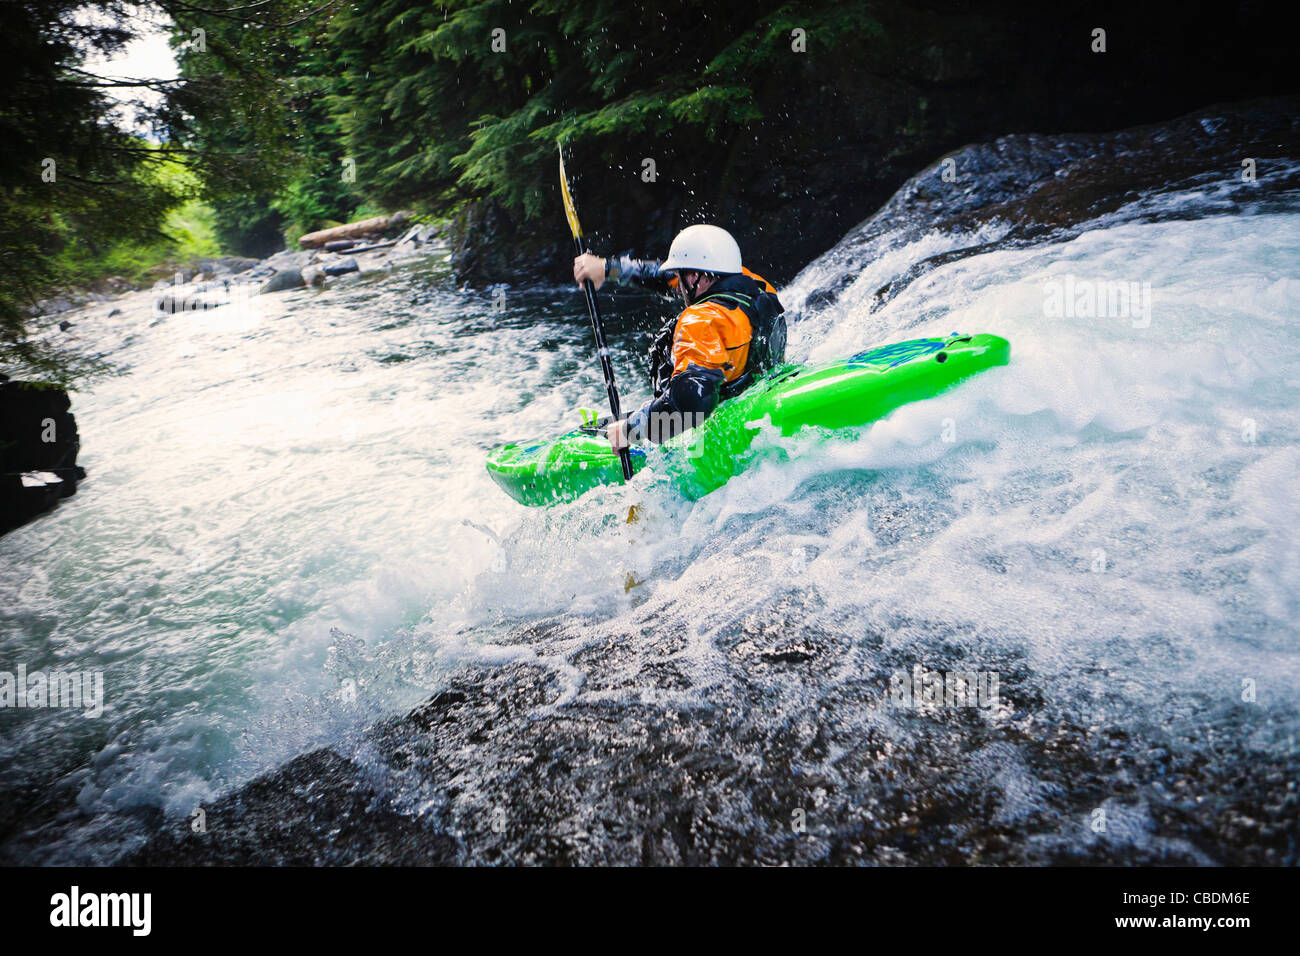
729, 333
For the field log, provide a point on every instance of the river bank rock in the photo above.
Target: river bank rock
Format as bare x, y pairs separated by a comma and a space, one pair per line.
38, 451
204, 283
285, 259
52, 306
341, 267
208, 285
289, 278
117, 285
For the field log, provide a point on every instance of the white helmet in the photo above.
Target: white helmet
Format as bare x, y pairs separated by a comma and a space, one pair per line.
703, 248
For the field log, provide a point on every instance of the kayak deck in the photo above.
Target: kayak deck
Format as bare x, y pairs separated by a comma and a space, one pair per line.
558, 469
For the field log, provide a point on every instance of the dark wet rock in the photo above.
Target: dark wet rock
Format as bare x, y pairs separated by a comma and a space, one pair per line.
343, 267
420, 234
794, 653
340, 245
38, 451
1048, 188
268, 825
479, 252
792, 753
288, 278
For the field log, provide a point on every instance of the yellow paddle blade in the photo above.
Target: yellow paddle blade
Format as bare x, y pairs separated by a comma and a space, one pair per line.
569, 210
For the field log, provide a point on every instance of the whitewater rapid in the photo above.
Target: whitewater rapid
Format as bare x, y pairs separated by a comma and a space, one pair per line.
288, 531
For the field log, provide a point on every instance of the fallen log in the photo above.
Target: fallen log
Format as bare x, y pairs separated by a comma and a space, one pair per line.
376, 228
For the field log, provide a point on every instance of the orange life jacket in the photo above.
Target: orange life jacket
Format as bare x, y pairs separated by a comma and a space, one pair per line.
715, 334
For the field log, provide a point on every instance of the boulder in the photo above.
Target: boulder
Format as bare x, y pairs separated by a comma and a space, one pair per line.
38, 451
282, 280
288, 259
52, 306
342, 267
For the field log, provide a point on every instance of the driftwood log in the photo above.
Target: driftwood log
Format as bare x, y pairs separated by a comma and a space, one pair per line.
377, 228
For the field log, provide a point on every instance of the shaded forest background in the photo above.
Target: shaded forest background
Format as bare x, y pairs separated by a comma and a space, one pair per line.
785, 122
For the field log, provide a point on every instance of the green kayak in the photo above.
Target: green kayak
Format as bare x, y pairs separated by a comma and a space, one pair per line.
854, 391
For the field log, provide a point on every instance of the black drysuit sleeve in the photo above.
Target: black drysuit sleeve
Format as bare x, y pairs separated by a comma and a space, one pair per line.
625, 270
690, 398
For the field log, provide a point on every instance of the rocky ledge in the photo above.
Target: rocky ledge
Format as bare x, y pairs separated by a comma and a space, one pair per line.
792, 754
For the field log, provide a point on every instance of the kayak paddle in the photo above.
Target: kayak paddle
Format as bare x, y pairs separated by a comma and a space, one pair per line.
594, 309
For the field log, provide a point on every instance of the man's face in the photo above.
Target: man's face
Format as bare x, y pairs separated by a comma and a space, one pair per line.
688, 279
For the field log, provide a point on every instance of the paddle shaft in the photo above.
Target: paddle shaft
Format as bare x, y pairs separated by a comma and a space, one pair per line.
589, 290
606, 368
